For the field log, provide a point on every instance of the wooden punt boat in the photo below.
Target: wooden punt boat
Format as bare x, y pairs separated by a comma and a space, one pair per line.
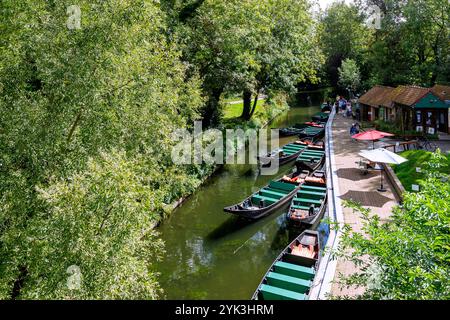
292, 131
325, 107
286, 154
311, 159
316, 124
270, 198
299, 129
309, 205
312, 132
321, 116
292, 274
312, 143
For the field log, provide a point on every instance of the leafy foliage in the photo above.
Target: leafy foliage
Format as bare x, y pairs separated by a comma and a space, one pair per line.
246, 46
85, 168
343, 35
407, 257
349, 75
411, 47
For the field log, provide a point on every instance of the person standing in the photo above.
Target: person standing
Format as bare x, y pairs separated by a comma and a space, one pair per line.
352, 130
349, 109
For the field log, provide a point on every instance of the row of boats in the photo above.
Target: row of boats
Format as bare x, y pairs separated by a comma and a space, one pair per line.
291, 275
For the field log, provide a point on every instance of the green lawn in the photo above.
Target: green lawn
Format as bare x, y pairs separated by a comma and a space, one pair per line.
235, 110
406, 172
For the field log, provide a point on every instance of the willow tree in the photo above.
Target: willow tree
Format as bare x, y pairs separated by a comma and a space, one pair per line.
89, 96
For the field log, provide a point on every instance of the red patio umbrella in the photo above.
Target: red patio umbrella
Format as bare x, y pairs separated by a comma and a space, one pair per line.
372, 135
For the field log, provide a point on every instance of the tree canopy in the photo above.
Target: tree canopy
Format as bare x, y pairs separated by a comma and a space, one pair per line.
343, 35
83, 112
246, 46
349, 75
410, 47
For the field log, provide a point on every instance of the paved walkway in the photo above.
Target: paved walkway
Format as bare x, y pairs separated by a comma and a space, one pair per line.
358, 187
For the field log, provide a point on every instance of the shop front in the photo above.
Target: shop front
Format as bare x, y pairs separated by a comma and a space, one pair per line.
431, 115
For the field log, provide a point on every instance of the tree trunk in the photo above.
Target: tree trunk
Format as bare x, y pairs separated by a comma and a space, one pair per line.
210, 114
247, 97
255, 103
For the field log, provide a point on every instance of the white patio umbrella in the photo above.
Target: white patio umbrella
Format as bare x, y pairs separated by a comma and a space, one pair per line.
382, 156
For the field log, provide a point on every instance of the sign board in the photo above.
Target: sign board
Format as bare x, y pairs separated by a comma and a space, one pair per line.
418, 170
415, 187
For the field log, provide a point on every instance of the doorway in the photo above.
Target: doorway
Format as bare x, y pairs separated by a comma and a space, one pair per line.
442, 121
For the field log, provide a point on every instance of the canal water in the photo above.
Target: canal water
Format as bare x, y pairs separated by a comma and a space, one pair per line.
213, 255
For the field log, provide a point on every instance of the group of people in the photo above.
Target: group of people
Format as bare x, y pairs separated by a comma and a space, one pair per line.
344, 107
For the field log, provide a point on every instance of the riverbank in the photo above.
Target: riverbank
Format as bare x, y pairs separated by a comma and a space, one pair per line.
267, 110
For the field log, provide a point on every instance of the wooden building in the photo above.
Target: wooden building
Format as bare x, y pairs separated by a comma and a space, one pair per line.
443, 92
419, 109
376, 104
414, 108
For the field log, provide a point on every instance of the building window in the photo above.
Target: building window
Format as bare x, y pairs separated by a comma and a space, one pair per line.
429, 115
418, 117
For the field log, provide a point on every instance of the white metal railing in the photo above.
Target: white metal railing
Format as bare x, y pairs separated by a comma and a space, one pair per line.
327, 268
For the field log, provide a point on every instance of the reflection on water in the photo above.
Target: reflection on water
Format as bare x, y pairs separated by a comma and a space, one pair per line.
213, 255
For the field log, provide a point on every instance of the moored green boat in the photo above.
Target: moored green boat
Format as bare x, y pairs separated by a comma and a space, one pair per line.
287, 153
312, 158
270, 198
292, 274
321, 116
312, 132
309, 204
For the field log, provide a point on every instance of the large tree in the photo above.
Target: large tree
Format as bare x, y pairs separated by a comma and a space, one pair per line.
343, 35
212, 41
349, 75
87, 115
286, 50
245, 46
412, 44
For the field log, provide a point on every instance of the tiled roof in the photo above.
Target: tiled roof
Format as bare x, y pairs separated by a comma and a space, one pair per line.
377, 96
408, 95
443, 92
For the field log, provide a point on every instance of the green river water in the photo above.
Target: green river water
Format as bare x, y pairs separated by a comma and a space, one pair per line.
213, 255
